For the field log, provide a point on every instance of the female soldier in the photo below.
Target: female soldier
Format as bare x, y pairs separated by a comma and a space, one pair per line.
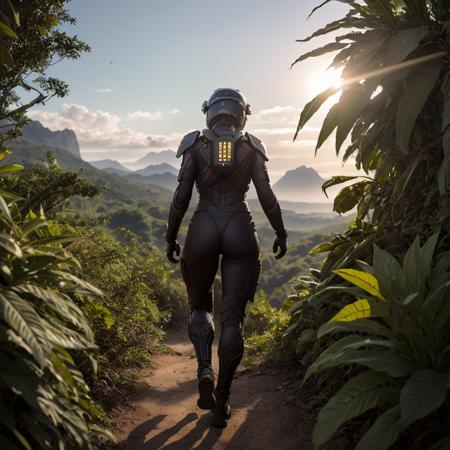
221, 161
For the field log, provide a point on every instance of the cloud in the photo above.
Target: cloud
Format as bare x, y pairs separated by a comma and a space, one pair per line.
174, 111
143, 115
102, 131
103, 90
276, 110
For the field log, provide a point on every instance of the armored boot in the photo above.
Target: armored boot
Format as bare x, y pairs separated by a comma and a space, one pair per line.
201, 333
231, 350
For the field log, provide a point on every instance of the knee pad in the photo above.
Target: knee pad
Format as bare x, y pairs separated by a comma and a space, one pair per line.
201, 333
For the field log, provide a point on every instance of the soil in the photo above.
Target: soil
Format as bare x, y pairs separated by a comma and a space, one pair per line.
163, 412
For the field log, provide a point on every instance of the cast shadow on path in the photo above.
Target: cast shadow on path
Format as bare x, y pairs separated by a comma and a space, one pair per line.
195, 437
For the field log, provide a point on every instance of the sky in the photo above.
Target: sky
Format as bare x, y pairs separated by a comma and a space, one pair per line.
154, 62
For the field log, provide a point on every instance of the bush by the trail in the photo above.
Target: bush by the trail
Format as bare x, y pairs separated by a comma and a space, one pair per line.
141, 294
264, 329
397, 331
393, 110
44, 400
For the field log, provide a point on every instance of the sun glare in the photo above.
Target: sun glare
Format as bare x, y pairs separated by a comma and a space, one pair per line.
320, 81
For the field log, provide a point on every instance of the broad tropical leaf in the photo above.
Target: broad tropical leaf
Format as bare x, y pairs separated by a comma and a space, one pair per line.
362, 393
410, 105
383, 433
357, 310
363, 280
423, 393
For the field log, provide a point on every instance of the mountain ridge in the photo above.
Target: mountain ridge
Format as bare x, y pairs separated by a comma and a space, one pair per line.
65, 139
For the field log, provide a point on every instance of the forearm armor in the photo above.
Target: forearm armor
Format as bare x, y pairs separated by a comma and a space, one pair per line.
181, 197
267, 198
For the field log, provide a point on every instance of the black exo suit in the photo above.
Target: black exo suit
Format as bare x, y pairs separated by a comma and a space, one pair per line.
221, 225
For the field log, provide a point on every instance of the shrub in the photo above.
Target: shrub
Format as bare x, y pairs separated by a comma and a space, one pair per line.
397, 332
264, 329
44, 400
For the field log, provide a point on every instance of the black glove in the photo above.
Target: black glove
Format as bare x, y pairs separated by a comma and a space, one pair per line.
279, 244
173, 246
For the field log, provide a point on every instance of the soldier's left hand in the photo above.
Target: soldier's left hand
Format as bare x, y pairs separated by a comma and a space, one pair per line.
173, 247
279, 246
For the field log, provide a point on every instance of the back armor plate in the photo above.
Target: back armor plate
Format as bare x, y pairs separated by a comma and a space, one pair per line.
223, 151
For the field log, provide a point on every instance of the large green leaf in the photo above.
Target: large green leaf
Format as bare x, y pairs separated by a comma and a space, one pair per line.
7, 31
361, 325
349, 21
423, 393
402, 44
362, 393
331, 47
8, 168
10, 315
333, 181
366, 281
387, 361
415, 94
328, 125
353, 101
312, 107
383, 433
389, 274
357, 310
445, 124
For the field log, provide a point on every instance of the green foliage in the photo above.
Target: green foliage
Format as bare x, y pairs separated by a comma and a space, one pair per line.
393, 111
141, 293
44, 399
278, 280
31, 41
49, 188
264, 330
393, 108
404, 343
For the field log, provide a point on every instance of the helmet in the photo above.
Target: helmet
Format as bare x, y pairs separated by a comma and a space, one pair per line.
226, 103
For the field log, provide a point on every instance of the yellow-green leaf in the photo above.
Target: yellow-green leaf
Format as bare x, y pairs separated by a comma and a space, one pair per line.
324, 247
7, 168
4, 154
31, 215
356, 310
366, 281
7, 31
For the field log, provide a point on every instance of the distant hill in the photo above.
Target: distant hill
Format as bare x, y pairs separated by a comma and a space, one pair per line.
63, 139
300, 183
152, 158
166, 180
157, 169
321, 209
107, 164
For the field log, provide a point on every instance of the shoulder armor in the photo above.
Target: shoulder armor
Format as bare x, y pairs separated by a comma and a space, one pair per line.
187, 142
257, 144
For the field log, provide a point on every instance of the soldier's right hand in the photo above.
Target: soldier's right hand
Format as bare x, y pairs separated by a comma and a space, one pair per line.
279, 247
173, 247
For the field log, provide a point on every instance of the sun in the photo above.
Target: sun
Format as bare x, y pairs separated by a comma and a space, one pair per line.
320, 81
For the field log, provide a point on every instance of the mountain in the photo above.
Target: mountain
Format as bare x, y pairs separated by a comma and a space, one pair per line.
152, 158
300, 184
318, 209
157, 169
166, 180
107, 164
64, 139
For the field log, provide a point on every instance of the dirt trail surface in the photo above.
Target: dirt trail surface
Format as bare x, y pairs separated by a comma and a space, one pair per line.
164, 412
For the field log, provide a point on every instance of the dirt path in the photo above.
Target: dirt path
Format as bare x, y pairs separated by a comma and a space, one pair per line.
164, 414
